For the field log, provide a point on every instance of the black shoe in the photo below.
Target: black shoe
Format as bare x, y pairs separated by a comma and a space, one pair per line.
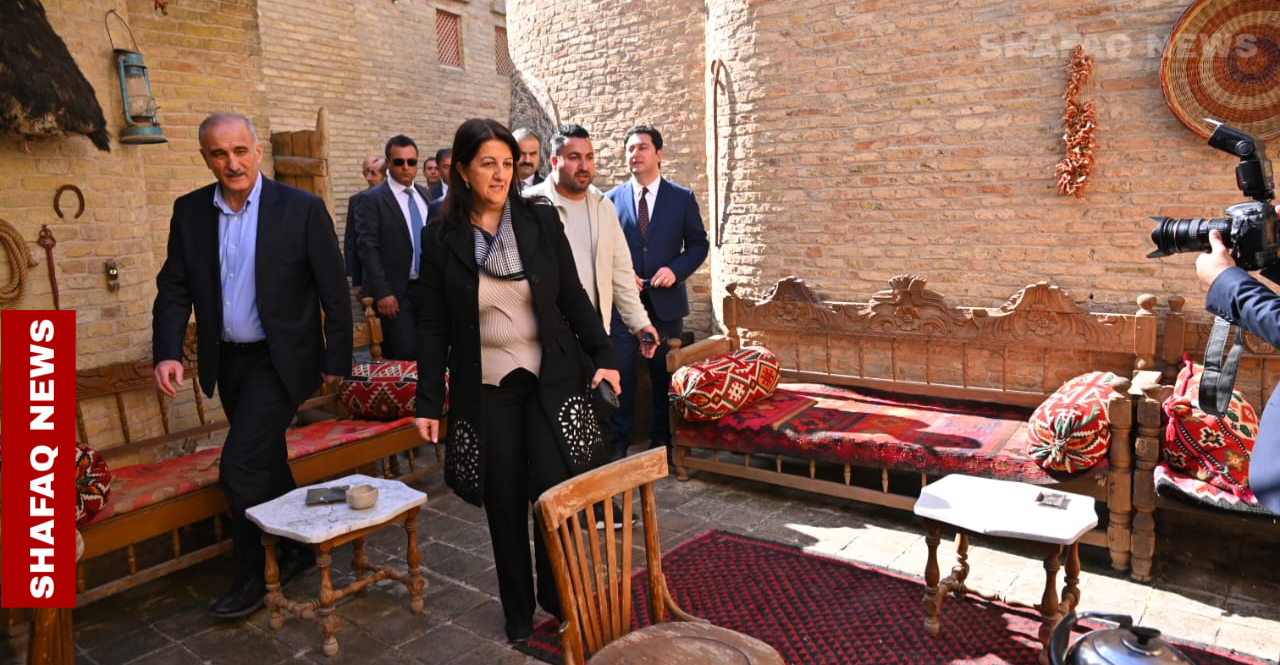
659, 443
243, 599
619, 451
298, 561
519, 632
617, 517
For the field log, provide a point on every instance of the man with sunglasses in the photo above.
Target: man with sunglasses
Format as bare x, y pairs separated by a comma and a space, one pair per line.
389, 222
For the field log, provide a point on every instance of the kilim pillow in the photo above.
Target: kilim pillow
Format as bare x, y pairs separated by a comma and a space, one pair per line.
381, 390
93, 483
1214, 449
1069, 431
721, 385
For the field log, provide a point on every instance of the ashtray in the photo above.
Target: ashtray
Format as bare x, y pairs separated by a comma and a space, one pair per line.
361, 497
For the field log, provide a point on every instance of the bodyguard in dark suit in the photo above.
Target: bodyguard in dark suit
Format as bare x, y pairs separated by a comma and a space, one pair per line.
1242, 300
444, 162
389, 221
374, 170
530, 157
257, 261
663, 227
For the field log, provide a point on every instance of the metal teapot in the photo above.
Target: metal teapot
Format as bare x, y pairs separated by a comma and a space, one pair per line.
1125, 645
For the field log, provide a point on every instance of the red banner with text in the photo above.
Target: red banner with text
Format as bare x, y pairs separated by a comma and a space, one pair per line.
38, 458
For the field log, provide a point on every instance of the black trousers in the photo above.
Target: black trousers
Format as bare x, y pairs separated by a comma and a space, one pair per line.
628, 348
400, 335
255, 460
521, 460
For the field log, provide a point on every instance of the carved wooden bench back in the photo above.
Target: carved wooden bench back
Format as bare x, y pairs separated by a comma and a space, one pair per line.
909, 339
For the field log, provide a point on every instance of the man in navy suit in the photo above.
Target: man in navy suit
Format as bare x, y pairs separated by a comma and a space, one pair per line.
444, 163
663, 227
1242, 300
374, 170
389, 222
257, 261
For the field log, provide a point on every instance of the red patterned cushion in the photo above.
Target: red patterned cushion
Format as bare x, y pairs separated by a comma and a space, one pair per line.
1070, 431
719, 386
93, 483
381, 390
1214, 449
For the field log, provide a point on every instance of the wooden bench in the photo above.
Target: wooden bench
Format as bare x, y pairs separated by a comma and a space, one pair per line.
169, 449
909, 347
1255, 379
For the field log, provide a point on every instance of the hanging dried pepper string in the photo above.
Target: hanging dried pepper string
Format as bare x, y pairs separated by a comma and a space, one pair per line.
1079, 120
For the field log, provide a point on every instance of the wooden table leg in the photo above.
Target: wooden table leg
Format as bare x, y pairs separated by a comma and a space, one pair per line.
359, 560
324, 613
275, 598
932, 594
1049, 603
50, 642
413, 559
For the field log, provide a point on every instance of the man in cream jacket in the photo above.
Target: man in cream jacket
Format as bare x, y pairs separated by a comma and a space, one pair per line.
591, 223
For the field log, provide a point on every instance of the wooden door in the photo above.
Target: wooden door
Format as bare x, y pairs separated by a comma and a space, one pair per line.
302, 158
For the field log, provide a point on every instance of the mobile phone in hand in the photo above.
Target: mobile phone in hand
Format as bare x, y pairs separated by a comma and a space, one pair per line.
648, 338
605, 390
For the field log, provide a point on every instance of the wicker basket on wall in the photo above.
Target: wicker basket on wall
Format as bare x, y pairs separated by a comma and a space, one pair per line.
1222, 62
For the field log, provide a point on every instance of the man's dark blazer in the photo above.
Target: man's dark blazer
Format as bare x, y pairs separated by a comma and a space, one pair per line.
1244, 301
386, 250
676, 240
435, 191
298, 273
350, 244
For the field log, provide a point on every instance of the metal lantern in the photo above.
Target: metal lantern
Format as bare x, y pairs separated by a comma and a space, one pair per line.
141, 125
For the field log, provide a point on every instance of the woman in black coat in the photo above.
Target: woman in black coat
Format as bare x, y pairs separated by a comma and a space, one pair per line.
503, 311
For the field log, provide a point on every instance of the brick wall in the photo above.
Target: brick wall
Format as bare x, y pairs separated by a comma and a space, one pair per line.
894, 137
374, 66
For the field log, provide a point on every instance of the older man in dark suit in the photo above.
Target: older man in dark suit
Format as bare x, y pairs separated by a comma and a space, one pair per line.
257, 261
663, 227
389, 222
374, 170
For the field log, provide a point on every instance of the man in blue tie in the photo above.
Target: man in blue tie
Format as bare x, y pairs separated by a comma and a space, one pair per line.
389, 221
663, 227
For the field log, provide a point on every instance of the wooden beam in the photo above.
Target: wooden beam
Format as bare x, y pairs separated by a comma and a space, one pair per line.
289, 165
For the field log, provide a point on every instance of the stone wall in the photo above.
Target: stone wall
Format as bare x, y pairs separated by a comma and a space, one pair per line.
892, 137
374, 66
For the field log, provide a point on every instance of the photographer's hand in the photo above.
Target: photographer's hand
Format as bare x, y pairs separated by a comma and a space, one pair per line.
1211, 264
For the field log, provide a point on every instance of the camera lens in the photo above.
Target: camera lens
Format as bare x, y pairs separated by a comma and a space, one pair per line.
1173, 236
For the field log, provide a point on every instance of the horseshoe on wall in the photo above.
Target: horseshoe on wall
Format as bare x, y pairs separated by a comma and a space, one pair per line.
57, 197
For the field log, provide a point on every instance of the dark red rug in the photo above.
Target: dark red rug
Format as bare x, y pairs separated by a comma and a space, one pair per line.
819, 611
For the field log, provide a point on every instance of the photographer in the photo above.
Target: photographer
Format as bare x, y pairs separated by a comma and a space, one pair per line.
1240, 299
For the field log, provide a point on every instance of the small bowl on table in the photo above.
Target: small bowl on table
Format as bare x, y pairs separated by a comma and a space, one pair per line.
362, 497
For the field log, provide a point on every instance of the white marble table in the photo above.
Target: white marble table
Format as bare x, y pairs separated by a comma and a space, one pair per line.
327, 526
1011, 510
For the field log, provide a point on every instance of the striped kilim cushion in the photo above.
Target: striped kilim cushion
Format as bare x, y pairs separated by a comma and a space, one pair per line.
721, 385
1070, 431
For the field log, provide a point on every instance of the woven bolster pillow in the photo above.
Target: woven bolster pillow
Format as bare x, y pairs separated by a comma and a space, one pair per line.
722, 385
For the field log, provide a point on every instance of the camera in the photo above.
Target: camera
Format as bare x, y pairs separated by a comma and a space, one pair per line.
1250, 229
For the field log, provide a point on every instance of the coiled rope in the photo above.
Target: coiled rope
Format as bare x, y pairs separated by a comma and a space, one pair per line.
20, 260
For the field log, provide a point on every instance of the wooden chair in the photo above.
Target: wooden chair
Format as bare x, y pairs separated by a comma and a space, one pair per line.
593, 569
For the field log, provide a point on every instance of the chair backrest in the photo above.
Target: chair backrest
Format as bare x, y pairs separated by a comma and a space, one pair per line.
593, 567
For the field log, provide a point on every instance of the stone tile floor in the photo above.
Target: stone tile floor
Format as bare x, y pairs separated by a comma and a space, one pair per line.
1216, 591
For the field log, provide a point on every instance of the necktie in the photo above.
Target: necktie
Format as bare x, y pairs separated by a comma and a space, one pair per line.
644, 212
415, 227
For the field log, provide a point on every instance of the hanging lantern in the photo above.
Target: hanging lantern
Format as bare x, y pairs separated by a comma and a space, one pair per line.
141, 125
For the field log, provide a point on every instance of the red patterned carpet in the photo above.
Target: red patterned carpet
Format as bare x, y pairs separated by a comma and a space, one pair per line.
819, 611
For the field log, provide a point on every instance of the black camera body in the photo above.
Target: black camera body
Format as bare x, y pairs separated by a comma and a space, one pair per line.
1251, 230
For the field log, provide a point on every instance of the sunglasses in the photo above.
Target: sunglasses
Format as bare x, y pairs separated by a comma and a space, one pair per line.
402, 162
